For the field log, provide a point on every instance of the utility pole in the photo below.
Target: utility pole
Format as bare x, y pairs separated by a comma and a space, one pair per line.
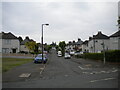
94, 44
104, 59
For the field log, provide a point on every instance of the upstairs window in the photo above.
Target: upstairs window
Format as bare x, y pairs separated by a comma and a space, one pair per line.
7, 42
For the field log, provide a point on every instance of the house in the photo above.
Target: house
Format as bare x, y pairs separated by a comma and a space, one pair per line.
78, 46
23, 48
39, 46
98, 43
115, 41
74, 46
10, 43
70, 46
85, 46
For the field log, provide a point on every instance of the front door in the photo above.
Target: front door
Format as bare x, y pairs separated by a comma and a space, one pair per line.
14, 50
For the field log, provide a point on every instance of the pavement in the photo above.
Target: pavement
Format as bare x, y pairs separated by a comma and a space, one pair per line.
63, 73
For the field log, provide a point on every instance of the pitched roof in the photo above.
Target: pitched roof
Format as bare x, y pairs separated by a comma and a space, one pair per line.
79, 42
100, 36
7, 36
117, 34
26, 40
85, 42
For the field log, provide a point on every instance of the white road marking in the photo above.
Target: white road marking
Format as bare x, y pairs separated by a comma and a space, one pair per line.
42, 69
85, 72
115, 70
25, 75
102, 80
83, 68
66, 75
100, 72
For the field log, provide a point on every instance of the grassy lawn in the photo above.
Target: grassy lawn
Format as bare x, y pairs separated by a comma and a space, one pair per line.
9, 63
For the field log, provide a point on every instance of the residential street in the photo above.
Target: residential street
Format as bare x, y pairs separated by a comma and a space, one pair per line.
62, 73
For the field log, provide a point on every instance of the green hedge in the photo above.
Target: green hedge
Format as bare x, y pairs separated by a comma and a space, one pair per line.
111, 56
94, 56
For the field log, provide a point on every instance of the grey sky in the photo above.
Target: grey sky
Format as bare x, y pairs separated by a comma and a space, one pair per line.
68, 20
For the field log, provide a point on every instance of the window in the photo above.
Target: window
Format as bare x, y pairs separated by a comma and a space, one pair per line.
5, 50
7, 42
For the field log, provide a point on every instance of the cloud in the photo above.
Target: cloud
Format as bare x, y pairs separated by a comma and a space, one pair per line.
68, 20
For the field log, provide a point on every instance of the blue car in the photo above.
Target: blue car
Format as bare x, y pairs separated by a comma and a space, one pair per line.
38, 58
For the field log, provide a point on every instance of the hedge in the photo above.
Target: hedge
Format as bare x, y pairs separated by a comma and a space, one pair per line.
111, 56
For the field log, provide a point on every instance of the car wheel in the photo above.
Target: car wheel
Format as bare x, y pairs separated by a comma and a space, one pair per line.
44, 62
35, 61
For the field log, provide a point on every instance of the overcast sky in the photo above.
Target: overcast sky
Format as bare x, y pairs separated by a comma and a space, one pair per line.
68, 20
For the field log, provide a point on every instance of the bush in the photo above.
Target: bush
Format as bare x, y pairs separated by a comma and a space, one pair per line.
23, 52
110, 56
35, 52
113, 56
94, 56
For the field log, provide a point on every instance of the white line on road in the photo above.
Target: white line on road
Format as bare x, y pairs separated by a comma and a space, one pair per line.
102, 80
100, 72
83, 68
42, 69
115, 70
25, 75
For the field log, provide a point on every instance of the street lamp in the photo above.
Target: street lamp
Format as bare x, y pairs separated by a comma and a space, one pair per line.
42, 38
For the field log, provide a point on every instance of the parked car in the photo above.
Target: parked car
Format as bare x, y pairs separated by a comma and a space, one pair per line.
38, 58
78, 53
67, 56
45, 52
72, 52
59, 53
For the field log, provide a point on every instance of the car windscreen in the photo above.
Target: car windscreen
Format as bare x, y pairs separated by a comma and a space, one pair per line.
66, 54
40, 55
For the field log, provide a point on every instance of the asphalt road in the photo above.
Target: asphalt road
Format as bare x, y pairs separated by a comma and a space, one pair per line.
62, 73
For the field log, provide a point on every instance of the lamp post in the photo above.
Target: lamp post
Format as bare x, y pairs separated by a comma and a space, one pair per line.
42, 39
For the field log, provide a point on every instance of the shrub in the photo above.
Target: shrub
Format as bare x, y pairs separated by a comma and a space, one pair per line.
113, 56
94, 56
110, 56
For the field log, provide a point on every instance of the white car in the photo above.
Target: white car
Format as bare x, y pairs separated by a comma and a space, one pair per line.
67, 56
78, 53
59, 53
72, 52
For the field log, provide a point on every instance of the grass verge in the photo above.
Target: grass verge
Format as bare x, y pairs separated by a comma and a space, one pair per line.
9, 63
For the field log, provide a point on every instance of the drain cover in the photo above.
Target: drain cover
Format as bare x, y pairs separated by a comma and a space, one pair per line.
25, 75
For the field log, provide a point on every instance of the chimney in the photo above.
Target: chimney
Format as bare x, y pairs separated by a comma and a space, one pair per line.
90, 38
73, 41
99, 32
27, 37
79, 39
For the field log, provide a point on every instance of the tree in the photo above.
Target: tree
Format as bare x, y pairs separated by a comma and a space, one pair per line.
32, 46
20, 39
47, 47
62, 45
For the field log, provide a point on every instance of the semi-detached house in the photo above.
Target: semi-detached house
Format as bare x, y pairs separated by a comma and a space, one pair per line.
98, 42
23, 47
115, 41
10, 43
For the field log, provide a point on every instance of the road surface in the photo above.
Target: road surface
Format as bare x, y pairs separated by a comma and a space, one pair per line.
62, 73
